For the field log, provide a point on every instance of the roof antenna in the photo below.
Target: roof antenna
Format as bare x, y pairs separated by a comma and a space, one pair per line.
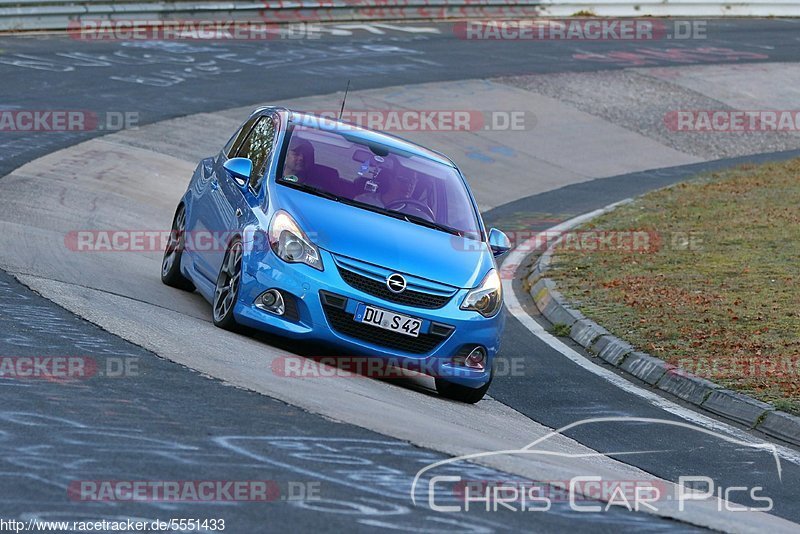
341, 111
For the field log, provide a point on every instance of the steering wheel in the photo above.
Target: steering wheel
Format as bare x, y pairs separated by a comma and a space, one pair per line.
398, 205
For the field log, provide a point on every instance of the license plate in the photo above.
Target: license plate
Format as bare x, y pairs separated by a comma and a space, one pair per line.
394, 322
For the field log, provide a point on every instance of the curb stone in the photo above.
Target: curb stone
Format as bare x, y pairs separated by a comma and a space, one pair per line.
541, 293
687, 387
655, 371
645, 367
737, 406
612, 349
782, 426
586, 331
558, 313
552, 303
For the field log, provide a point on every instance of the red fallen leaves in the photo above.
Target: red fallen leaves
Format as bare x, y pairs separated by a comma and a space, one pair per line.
732, 299
748, 358
648, 292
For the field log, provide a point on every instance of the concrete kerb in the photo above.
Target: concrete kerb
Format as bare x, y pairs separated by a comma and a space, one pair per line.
649, 369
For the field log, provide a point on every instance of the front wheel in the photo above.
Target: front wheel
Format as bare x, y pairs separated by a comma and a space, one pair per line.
461, 393
227, 290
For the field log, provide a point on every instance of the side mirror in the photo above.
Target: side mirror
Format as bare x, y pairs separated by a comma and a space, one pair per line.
240, 168
498, 242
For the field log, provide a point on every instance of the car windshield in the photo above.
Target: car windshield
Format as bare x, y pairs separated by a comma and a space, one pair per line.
344, 167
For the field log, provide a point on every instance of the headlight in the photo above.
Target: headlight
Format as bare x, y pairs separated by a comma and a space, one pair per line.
290, 243
487, 298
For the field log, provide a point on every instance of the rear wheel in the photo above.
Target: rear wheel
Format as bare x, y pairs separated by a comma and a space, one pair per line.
171, 264
461, 393
227, 290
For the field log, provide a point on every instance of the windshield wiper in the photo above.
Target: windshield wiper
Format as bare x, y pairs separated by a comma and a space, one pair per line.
414, 219
314, 190
430, 224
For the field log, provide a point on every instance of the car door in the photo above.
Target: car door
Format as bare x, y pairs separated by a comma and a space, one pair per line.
204, 221
232, 208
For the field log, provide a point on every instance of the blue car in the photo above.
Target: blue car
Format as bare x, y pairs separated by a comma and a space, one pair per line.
318, 229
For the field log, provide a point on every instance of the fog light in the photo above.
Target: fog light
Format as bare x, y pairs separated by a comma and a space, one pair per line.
476, 359
271, 301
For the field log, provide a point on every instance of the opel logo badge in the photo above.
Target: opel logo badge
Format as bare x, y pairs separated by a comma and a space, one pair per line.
396, 283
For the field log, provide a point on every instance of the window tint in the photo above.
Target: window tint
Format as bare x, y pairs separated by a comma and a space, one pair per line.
257, 147
363, 172
239, 137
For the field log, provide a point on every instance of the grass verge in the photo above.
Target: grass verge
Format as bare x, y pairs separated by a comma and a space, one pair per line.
711, 283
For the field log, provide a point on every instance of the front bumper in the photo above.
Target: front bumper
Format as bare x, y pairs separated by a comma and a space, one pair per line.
445, 333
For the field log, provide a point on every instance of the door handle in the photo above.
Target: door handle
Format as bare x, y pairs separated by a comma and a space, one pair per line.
238, 212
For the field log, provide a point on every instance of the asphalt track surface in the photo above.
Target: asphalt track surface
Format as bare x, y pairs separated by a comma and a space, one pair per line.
170, 423
171, 79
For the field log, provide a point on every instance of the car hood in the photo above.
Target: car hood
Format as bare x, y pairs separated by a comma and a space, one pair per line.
388, 242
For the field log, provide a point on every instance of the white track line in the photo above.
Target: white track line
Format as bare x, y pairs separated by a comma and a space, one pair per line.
511, 266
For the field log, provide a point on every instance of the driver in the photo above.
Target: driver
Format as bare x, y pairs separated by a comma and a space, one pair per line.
299, 160
390, 190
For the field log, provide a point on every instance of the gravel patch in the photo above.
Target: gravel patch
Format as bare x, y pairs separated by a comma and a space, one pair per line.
636, 101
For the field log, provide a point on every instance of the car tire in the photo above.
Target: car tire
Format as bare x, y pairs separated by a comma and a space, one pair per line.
171, 264
226, 291
461, 393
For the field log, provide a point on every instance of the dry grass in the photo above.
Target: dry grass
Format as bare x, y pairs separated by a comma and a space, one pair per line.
720, 297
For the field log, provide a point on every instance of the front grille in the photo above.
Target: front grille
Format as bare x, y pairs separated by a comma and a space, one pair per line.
343, 322
378, 289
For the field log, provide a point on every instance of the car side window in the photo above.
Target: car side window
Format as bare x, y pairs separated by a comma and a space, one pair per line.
238, 138
257, 147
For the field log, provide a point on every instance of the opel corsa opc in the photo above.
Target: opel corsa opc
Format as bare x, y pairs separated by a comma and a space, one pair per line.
318, 229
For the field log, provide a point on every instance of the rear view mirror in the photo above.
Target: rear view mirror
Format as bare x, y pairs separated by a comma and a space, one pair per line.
362, 155
239, 168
